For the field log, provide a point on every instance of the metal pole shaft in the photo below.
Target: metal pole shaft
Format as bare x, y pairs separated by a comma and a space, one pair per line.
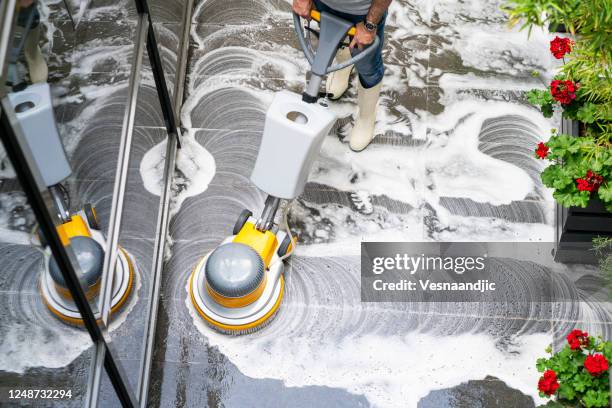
58, 199
266, 221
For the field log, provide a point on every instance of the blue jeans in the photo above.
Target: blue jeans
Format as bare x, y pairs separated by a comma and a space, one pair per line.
370, 69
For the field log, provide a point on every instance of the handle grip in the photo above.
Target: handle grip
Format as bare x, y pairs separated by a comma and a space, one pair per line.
316, 15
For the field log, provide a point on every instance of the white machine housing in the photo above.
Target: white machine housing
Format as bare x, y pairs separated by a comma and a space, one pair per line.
293, 134
34, 112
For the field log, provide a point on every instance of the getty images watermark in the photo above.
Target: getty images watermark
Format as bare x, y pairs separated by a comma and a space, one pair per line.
412, 265
518, 273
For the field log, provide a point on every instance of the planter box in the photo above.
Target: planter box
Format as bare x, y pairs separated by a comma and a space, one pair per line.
576, 227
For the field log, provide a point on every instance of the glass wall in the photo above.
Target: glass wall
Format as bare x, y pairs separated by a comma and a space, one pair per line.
80, 101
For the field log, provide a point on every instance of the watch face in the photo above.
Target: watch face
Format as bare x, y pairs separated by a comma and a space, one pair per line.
370, 26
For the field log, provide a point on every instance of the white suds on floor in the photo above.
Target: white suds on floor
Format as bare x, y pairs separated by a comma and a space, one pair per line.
195, 169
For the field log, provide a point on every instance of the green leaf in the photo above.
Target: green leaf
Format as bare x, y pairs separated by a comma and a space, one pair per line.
607, 350
596, 398
541, 364
564, 144
547, 110
558, 177
567, 392
550, 174
543, 99
579, 199
605, 193
587, 113
596, 165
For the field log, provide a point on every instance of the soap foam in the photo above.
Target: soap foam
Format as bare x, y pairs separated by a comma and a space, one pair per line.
195, 166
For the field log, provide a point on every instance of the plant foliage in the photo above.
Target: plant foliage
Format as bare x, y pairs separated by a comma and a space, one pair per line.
577, 382
587, 68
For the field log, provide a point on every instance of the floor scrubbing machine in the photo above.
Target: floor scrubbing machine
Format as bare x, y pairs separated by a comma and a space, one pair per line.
80, 229
32, 104
238, 287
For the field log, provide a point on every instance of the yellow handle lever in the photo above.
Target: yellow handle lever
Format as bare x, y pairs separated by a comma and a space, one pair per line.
316, 16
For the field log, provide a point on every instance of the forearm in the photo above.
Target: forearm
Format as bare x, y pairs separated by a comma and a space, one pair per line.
377, 10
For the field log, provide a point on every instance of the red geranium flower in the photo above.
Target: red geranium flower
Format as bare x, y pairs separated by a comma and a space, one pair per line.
577, 338
560, 46
589, 183
548, 383
596, 364
542, 150
563, 92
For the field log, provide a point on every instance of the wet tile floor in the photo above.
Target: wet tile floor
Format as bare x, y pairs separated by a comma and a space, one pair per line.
452, 161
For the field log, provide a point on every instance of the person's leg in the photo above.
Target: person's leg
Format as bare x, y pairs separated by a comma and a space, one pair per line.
371, 72
37, 66
338, 82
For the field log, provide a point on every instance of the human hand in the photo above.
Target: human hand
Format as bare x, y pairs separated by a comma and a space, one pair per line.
362, 37
302, 8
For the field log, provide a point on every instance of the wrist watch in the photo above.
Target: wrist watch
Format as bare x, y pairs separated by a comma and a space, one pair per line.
370, 26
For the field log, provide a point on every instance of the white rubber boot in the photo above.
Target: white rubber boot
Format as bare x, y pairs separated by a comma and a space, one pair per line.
37, 66
337, 82
363, 131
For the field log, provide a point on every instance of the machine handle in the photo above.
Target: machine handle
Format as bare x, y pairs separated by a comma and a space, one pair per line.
316, 15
